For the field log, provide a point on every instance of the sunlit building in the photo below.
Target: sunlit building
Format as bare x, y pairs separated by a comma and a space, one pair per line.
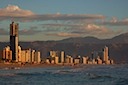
7, 53
69, 59
47, 61
94, 61
37, 57
77, 61
23, 56
52, 61
19, 54
14, 40
53, 53
105, 58
56, 60
32, 56
111, 61
90, 62
62, 57
99, 61
85, 60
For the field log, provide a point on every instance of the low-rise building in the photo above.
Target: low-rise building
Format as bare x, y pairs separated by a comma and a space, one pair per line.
85, 60
69, 59
99, 61
77, 61
7, 53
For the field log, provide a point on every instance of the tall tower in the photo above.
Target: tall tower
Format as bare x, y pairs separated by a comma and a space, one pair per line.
14, 40
105, 58
62, 56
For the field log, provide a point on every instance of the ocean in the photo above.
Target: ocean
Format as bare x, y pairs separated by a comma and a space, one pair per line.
66, 75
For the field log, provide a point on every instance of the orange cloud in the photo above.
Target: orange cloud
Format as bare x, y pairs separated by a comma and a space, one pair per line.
14, 11
64, 34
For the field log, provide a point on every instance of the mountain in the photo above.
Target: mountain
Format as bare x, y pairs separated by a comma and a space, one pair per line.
118, 46
81, 40
123, 38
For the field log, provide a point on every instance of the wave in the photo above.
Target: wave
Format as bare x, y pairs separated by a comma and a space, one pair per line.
7, 75
122, 81
96, 76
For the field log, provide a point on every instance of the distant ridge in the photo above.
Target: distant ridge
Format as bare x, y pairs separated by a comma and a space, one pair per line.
81, 40
123, 38
118, 46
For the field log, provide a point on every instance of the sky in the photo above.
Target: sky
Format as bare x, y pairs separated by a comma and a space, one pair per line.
43, 20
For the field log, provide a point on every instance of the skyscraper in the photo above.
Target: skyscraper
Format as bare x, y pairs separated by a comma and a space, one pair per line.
14, 40
105, 59
62, 56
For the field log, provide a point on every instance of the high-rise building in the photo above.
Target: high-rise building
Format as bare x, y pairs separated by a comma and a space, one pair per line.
14, 40
32, 56
37, 57
105, 58
62, 56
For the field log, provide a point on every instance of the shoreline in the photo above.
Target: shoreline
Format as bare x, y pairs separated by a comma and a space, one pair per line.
16, 65
20, 66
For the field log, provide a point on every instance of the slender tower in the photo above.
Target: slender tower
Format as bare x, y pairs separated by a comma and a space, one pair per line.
62, 56
14, 40
106, 54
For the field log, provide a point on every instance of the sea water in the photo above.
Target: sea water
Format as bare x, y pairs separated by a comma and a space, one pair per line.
66, 75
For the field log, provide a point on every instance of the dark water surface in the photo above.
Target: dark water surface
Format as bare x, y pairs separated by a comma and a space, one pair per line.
83, 75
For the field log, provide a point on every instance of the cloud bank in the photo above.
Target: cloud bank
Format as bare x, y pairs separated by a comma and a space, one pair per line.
30, 31
63, 25
115, 22
63, 30
16, 13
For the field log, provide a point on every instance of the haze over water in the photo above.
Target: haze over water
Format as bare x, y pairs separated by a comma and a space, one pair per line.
83, 75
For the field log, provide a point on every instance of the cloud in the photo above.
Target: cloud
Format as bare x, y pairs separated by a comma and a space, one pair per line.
98, 31
74, 28
62, 25
66, 17
16, 13
63, 34
59, 27
115, 22
92, 28
79, 30
30, 31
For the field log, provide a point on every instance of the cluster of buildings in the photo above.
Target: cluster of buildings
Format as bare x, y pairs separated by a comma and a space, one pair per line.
57, 57
14, 52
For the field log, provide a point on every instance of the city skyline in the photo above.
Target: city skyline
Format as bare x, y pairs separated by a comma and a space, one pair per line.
56, 20
15, 53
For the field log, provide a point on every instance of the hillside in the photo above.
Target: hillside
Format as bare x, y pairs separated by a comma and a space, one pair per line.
118, 46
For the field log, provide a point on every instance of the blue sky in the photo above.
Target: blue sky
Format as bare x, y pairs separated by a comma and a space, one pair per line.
60, 19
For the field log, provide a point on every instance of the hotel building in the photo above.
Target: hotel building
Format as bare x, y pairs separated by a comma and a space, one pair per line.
14, 40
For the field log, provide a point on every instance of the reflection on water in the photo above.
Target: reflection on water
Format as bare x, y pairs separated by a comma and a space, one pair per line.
84, 75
